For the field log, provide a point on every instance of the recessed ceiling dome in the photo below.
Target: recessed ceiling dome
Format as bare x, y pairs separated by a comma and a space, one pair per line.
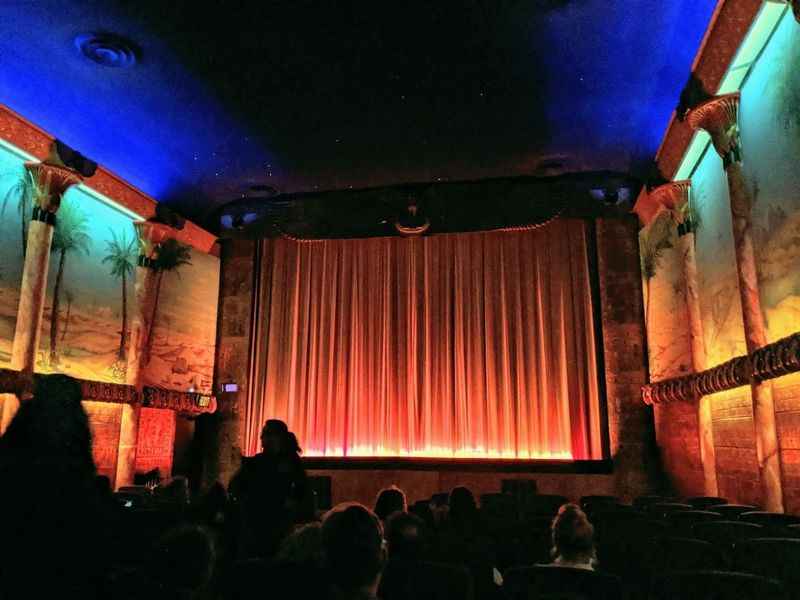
108, 49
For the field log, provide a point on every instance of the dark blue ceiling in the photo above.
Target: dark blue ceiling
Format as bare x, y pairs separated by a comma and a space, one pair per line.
307, 95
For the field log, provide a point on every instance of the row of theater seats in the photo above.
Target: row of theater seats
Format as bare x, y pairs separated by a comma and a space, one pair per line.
661, 548
654, 548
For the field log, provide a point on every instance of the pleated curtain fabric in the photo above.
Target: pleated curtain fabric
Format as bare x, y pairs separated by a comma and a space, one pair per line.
472, 345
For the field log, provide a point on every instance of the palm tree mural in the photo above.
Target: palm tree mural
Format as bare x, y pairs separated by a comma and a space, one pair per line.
69, 237
70, 296
25, 191
172, 255
652, 243
121, 256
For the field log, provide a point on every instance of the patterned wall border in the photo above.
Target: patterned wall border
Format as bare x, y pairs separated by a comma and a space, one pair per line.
16, 382
773, 360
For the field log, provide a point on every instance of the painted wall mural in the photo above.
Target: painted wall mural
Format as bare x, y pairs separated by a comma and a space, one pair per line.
88, 309
90, 299
15, 205
181, 355
770, 132
720, 305
668, 343
769, 120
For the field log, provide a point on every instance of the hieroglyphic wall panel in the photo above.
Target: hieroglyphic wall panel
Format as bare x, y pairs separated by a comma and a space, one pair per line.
104, 421
154, 448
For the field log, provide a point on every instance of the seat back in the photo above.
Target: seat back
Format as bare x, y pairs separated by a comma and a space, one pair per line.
642, 502
775, 523
705, 502
543, 504
523, 583
724, 534
731, 512
518, 488
497, 505
587, 501
680, 523
610, 527
683, 554
660, 510
622, 544
777, 558
425, 581
263, 577
714, 585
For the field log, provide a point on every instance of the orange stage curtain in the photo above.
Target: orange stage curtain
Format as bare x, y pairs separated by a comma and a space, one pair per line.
474, 345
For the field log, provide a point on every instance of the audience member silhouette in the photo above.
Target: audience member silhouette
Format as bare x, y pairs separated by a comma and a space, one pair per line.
390, 500
303, 547
212, 507
405, 535
463, 511
573, 538
408, 576
272, 488
182, 565
463, 540
352, 538
54, 521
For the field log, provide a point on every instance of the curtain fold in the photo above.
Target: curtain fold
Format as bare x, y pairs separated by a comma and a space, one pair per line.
474, 345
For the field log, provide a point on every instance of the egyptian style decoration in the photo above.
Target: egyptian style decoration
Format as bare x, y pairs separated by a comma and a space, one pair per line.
773, 360
46, 182
21, 384
674, 198
778, 359
51, 182
720, 118
151, 236
727, 376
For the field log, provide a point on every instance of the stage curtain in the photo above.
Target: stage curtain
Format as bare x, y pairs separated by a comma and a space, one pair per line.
473, 345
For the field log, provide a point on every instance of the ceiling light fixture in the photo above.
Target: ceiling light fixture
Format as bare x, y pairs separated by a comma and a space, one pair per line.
108, 49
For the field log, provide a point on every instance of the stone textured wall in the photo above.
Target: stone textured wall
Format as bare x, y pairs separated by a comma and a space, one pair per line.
219, 433
630, 421
787, 417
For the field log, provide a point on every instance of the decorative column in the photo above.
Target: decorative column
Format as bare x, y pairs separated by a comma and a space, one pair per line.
720, 118
50, 181
675, 198
151, 236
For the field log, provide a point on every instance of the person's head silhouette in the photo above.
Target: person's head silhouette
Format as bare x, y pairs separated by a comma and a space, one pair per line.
274, 436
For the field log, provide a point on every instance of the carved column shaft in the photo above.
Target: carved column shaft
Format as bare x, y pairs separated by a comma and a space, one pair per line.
767, 447
150, 236
719, 117
705, 425
51, 182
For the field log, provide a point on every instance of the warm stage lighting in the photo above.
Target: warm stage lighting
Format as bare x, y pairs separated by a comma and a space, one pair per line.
434, 452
